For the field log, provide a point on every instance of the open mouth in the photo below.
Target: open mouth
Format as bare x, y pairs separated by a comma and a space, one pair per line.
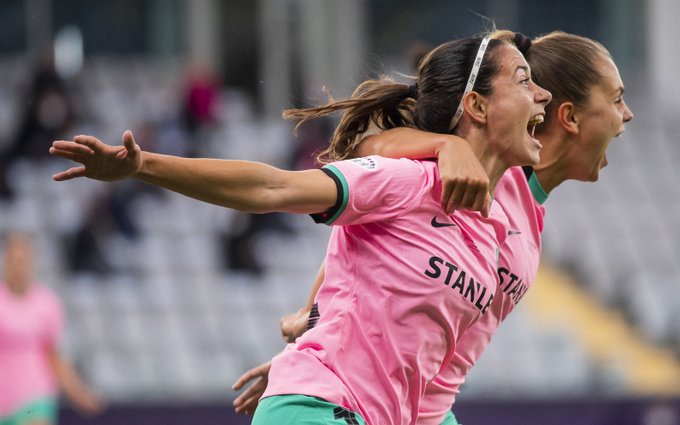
533, 122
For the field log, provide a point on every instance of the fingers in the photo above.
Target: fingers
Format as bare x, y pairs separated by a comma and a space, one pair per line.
253, 391
128, 140
284, 326
93, 407
89, 404
65, 145
294, 325
120, 153
69, 174
71, 151
246, 406
260, 371
247, 402
479, 201
456, 198
469, 198
66, 155
131, 147
487, 205
447, 189
244, 379
89, 141
240, 401
463, 194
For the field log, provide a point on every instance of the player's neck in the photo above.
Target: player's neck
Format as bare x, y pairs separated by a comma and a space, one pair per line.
552, 170
18, 289
492, 163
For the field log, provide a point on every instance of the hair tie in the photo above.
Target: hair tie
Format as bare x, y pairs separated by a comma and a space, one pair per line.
413, 91
522, 42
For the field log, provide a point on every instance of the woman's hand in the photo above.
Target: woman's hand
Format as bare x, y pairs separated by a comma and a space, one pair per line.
295, 324
247, 402
88, 403
465, 184
98, 160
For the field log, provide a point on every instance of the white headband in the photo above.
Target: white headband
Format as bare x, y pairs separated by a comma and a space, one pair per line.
471, 81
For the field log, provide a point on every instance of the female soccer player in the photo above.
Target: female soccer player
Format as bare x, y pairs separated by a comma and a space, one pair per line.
586, 113
403, 280
31, 367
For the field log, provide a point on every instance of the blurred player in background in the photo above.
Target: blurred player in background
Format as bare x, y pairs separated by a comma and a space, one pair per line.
32, 369
586, 113
390, 326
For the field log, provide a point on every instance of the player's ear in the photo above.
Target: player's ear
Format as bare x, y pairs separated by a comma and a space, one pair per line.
475, 106
568, 117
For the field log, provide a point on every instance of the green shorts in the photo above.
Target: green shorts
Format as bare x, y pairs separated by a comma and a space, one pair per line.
450, 419
42, 409
295, 409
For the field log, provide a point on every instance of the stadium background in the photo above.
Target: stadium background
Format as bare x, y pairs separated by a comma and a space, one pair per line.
169, 300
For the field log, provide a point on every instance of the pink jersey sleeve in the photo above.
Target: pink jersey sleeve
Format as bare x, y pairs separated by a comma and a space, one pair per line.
374, 188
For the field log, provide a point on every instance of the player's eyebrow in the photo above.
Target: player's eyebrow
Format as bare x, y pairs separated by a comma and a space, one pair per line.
523, 68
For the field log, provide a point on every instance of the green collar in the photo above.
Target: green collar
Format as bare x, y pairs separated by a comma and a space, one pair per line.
537, 189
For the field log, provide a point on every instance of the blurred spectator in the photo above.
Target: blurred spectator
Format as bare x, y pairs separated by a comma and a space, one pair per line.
239, 244
31, 366
48, 115
200, 102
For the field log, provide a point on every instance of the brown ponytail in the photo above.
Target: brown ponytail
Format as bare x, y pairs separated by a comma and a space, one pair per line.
383, 103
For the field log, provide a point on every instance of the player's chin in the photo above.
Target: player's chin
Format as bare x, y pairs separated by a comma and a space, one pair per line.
595, 174
532, 151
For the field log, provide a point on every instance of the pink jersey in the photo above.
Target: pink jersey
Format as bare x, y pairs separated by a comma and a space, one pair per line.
403, 282
517, 268
29, 326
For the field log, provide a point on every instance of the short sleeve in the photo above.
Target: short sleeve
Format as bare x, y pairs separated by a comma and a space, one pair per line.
374, 189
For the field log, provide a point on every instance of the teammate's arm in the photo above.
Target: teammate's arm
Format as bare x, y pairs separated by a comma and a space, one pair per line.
292, 326
242, 185
73, 386
247, 402
295, 324
465, 184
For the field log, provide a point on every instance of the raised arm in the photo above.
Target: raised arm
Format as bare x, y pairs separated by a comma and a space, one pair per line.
242, 185
465, 184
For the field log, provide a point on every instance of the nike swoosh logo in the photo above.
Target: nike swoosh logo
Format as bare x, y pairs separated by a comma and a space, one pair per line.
436, 223
514, 232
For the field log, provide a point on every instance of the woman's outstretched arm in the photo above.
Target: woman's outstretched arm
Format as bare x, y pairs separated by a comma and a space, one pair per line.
242, 185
